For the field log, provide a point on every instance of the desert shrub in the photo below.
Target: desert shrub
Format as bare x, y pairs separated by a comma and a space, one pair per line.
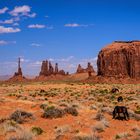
136, 129
37, 130
137, 117
105, 91
2, 120
9, 126
124, 135
112, 97
105, 122
42, 91
86, 137
20, 116
60, 137
22, 135
99, 127
71, 110
99, 116
62, 129
63, 105
11, 94
133, 115
43, 106
99, 100
137, 111
107, 110
52, 112
93, 107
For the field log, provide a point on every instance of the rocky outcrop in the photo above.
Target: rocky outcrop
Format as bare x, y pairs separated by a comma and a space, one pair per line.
44, 68
61, 72
18, 76
80, 69
89, 69
120, 59
47, 69
19, 72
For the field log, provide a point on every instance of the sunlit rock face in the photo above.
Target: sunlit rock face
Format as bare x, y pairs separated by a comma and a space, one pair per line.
120, 59
47, 69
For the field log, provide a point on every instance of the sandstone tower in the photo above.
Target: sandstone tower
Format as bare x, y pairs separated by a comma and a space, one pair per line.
19, 72
47, 69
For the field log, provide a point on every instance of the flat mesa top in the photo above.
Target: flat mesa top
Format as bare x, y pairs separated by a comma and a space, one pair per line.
117, 45
132, 41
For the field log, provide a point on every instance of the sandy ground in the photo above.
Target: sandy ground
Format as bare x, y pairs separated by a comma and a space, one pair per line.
88, 99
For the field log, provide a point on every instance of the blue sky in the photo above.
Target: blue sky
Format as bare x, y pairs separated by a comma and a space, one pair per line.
64, 31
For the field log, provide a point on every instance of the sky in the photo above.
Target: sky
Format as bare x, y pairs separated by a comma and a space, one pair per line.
68, 32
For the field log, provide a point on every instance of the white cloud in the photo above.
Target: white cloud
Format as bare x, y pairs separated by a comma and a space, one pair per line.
16, 24
51, 59
46, 16
8, 21
36, 64
32, 15
24, 60
38, 26
75, 25
3, 42
35, 45
8, 30
3, 10
24, 10
66, 59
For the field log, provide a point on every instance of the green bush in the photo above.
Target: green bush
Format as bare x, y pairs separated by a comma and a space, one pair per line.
37, 130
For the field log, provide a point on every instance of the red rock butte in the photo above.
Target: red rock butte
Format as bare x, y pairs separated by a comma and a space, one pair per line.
90, 70
120, 59
47, 69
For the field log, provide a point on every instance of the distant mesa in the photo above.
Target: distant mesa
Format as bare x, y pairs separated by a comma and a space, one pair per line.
121, 59
88, 70
47, 69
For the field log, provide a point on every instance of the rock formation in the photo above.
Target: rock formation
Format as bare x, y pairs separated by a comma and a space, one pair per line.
80, 69
19, 72
44, 68
88, 70
61, 72
47, 69
18, 76
51, 69
56, 68
120, 59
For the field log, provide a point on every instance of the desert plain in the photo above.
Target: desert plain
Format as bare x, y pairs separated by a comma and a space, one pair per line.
57, 110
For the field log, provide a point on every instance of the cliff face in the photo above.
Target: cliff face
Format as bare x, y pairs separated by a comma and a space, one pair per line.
120, 59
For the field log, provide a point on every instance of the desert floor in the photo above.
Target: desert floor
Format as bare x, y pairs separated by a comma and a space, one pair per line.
88, 116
